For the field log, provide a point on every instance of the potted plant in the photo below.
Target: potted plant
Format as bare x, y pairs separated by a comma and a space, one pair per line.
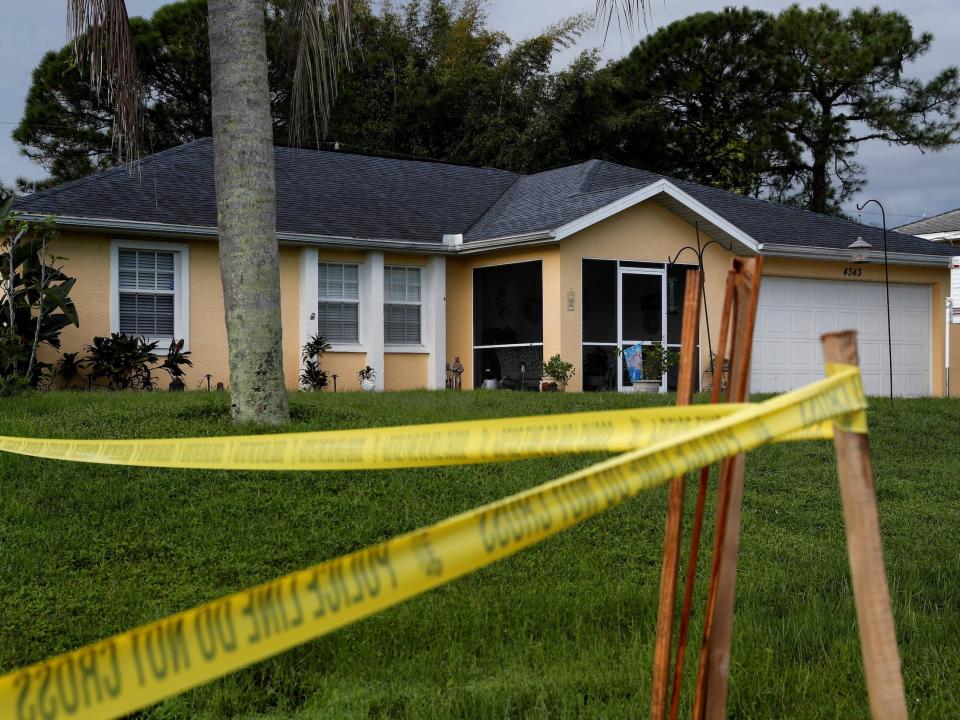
646, 365
657, 359
173, 365
556, 374
366, 375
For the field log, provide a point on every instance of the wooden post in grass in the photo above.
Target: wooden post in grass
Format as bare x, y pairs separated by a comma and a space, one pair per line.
671, 542
878, 641
714, 669
687, 605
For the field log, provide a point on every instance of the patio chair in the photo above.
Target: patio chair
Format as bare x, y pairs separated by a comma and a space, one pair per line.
510, 360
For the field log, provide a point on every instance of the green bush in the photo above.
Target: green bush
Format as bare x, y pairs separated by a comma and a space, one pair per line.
312, 377
559, 369
128, 362
35, 304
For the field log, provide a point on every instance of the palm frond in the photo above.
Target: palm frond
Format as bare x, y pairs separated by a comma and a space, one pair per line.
319, 34
102, 40
627, 13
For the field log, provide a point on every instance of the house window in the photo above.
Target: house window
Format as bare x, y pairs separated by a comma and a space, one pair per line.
508, 324
338, 311
401, 308
147, 285
625, 302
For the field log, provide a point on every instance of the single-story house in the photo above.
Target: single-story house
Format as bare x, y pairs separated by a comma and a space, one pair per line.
407, 264
944, 228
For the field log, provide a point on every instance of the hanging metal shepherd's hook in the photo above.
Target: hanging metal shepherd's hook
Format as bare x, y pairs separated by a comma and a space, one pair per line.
698, 251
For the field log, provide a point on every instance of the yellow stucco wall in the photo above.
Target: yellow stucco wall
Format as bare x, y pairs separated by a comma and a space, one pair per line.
289, 312
89, 261
208, 330
398, 259
404, 371
460, 300
646, 232
339, 255
345, 366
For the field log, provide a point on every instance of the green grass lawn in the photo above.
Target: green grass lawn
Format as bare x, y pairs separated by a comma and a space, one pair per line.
563, 630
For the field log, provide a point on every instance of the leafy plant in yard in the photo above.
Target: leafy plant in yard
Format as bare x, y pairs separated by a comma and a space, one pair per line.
559, 369
312, 377
68, 368
35, 304
173, 364
124, 360
315, 348
12, 356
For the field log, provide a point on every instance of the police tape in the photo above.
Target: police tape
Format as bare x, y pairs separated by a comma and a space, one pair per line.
140, 667
472, 441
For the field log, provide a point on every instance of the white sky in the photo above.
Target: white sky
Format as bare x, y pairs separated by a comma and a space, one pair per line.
910, 184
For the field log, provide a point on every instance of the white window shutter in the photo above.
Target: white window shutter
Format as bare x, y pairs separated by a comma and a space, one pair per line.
147, 285
338, 311
401, 310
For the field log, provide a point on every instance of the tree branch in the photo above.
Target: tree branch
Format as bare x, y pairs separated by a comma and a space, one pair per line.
101, 36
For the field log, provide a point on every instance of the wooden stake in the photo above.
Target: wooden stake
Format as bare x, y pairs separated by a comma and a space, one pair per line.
691, 577
878, 640
672, 533
714, 670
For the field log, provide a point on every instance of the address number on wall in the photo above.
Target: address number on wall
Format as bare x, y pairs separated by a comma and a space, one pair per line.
852, 272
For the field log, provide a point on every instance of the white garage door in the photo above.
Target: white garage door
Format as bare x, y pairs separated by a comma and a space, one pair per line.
794, 312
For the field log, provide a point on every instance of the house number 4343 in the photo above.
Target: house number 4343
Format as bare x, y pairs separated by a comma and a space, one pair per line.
852, 272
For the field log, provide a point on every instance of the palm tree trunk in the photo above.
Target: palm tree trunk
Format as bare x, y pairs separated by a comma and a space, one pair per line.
246, 208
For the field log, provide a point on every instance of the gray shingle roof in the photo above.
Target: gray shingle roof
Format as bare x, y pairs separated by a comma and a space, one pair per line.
942, 223
318, 193
768, 222
550, 199
338, 194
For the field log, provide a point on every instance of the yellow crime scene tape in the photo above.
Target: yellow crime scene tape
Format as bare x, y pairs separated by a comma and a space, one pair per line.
453, 443
140, 667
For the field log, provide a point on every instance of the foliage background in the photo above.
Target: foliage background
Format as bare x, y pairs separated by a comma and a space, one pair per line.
762, 104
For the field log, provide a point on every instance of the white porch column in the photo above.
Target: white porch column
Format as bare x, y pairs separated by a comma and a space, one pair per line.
371, 293
435, 321
309, 294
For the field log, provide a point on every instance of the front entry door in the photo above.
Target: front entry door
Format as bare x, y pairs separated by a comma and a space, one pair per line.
642, 303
